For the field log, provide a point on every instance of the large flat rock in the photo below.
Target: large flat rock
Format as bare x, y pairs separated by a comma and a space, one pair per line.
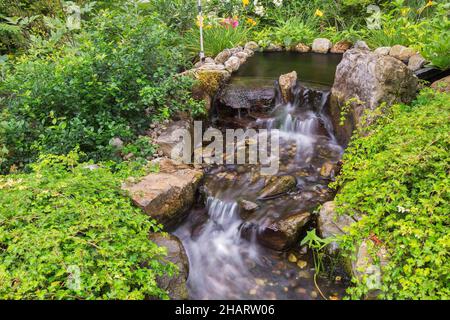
168, 194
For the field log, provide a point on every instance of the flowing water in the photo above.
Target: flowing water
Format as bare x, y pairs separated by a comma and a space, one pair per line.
223, 243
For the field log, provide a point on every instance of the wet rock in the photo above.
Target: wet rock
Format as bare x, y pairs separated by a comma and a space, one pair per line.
442, 85
361, 45
321, 45
278, 186
328, 170
382, 51
416, 62
248, 206
176, 254
402, 53
341, 46
287, 83
245, 97
284, 233
168, 194
233, 64
169, 141
366, 270
252, 45
363, 81
302, 48
116, 143
223, 56
330, 224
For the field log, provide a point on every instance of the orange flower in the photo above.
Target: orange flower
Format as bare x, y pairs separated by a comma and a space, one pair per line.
251, 22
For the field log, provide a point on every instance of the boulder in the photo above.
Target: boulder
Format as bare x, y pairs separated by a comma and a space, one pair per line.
116, 143
176, 285
321, 45
366, 270
402, 53
278, 185
252, 45
166, 195
211, 66
361, 45
249, 52
233, 64
209, 81
442, 85
330, 224
302, 48
242, 56
169, 140
341, 46
416, 62
382, 51
273, 48
364, 80
287, 83
284, 233
223, 56
245, 97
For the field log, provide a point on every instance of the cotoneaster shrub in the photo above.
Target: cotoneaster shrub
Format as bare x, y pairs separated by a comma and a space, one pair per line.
397, 177
64, 218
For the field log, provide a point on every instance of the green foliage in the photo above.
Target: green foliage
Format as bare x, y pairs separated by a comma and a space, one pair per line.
396, 175
115, 79
64, 218
216, 39
289, 32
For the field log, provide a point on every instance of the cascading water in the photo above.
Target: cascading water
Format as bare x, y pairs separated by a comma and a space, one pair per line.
226, 258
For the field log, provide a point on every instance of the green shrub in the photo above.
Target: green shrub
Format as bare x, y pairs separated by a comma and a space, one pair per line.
114, 80
64, 220
397, 176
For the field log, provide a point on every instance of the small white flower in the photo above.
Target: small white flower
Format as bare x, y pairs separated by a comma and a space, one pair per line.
277, 3
259, 10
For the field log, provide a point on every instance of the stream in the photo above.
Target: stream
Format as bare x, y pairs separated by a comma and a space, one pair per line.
229, 249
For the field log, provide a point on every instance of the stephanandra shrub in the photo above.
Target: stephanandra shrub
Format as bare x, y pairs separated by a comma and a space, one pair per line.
111, 80
64, 221
397, 176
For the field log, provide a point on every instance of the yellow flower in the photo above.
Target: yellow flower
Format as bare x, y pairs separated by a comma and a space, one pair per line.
245, 2
318, 13
251, 22
200, 21
429, 4
405, 11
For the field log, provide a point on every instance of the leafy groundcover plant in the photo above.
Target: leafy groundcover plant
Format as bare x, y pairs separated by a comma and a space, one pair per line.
68, 232
397, 177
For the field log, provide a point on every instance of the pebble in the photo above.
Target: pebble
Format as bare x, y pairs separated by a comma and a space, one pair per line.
314, 294
292, 258
252, 292
260, 282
